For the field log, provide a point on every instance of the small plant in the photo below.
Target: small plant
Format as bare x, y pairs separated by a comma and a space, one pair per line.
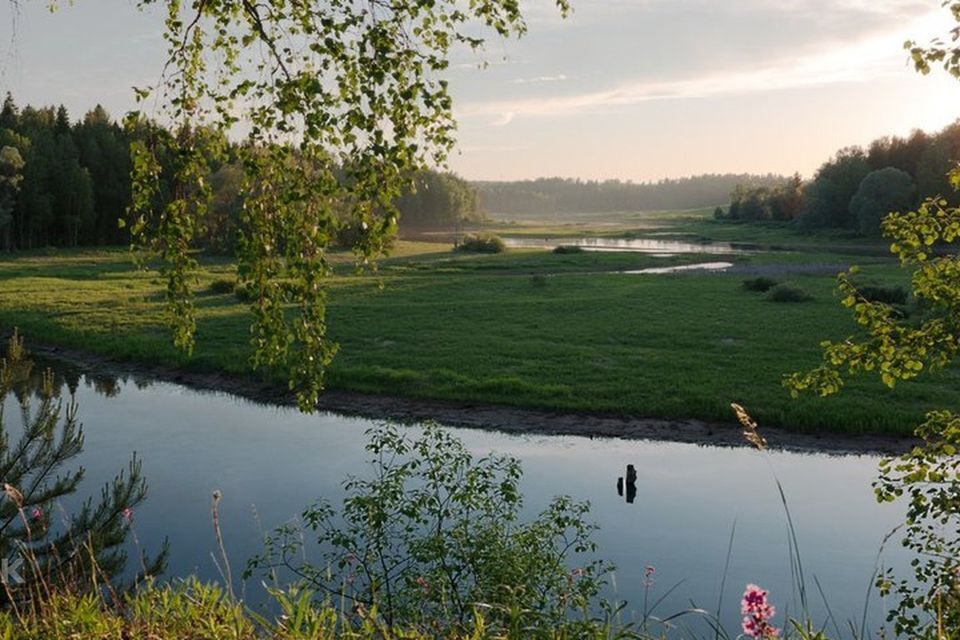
222, 286
433, 540
538, 280
481, 243
787, 293
757, 613
567, 248
760, 284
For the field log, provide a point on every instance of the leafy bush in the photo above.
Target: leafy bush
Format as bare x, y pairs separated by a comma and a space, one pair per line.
481, 243
787, 293
567, 248
760, 284
221, 286
433, 532
895, 295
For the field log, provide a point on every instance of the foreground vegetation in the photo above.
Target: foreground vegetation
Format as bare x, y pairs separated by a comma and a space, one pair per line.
522, 328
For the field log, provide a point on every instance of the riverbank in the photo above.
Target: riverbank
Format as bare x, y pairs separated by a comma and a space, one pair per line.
486, 416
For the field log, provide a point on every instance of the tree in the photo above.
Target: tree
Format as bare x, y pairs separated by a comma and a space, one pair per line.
11, 175
897, 348
8, 113
881, 192
35, 473
343, 100
827, 197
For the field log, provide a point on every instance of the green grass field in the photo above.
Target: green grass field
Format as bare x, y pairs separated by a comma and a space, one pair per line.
526, 328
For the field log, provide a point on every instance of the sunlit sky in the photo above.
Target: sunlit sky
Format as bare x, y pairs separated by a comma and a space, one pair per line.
629, 89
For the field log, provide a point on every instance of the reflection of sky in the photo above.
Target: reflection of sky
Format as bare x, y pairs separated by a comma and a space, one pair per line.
638, 89
279, 461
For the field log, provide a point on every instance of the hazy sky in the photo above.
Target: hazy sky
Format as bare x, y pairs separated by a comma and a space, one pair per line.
631, 89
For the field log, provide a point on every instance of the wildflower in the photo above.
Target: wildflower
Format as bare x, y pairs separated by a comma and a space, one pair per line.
13, 494
648, 572
577, 573
37, 513
751, 430
757, 613
423, 584
128, 515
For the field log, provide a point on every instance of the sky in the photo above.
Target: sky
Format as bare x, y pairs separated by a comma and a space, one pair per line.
628, 89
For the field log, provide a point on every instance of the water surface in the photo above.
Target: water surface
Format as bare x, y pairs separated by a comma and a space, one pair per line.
639, 245
270, 462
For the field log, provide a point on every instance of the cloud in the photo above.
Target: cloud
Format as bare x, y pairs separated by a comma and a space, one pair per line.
557, 78
870, 59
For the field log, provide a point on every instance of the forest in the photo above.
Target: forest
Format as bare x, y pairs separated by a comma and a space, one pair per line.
857, 187
66, 183
569, 195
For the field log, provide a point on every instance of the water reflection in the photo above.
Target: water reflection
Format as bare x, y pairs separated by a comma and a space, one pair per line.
68, 376
47, 528
631, 484
640, 245
699, 266
269, 463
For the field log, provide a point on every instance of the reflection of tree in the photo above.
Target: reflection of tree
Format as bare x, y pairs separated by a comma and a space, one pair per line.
69, 375
103, 384
35, 479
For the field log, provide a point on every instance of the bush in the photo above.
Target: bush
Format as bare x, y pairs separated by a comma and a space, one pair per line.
481, 243
433, 531
221, 286
567, 248
894, 295
787, 293
760, 284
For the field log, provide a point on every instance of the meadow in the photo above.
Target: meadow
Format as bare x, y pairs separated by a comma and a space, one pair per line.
525, 328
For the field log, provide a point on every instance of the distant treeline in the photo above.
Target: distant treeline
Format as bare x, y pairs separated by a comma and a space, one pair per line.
67, 184
567, 195
857, 187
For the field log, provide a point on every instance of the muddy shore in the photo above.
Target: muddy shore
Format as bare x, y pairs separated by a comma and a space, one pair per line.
507, 419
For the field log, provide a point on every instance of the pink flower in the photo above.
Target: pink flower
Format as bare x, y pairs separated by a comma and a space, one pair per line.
757, 613
423, 584
37, 513
128, 515
648, 572
577, 573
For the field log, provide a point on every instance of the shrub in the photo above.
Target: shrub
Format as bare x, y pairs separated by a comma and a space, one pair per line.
567, 248
760, 284
243, 292
787, 293
432, 532
221, 286
894, 295
481, 243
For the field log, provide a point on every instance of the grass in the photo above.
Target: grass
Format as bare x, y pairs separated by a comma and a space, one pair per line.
467, 328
